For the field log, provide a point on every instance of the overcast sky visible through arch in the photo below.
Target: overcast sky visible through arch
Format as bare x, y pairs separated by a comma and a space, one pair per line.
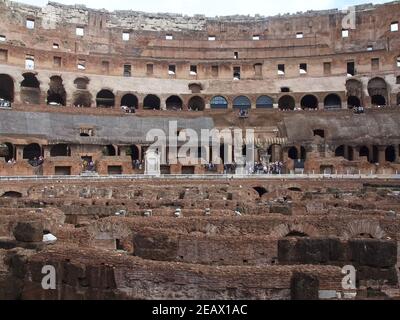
213, 7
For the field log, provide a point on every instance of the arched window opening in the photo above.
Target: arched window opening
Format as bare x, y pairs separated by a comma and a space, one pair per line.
130, 102
390, 154
30, 89
242, 102
56, 95
196, 104
60, 150
174, 103
151, 102
105, 99
109, 151
32, 151
353, 102
309, 102
264, 102
7, 151
332, 102
293, 153
219, 102
286, 103
6, 88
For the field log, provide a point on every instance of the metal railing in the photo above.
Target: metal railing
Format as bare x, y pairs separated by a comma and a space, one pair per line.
207, 177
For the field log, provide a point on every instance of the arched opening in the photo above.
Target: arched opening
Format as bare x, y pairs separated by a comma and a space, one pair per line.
133, 152
261, 191
398, 99
264, 102
81, 83
218, 102
296, 234
286, 103
242, 103
105, 99
378, 100
6, 88
223, 153
293, 153
332, 101
390, 154
344, 152
30, 89
377, 90
151, 102
354, 90
353, 102
56, 95
340, 151
364, 152
309, 102
11, 194
196, 104
275, 152
7, 151
32, 151
82, 99
60, 150
109, 151
130, 101
174, 103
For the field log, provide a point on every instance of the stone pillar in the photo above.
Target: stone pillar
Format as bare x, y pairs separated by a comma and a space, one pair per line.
381, 154
371, 153
356, 153
346, 152
46, 151
19, 154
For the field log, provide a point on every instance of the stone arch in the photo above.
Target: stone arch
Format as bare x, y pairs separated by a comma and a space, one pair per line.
151, 102
133, 152
60, 150
293, 153
30, 89
174, 103
264, 102
284, 230
109, 151
332, 101
359, 228
219, 102
81, 83
11, 194
261, 191
105, 99
130, 100
286, 103
6, 87
241, 102
390, 154
377, 90
56, 93
32, 151
196, 104
82, 98
353, 101
309, 101
354, 88
7, 151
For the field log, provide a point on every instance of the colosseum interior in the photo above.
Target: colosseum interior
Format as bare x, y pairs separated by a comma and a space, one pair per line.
79, 90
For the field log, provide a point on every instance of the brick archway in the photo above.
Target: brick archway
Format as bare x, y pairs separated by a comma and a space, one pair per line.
364, 227
284, 230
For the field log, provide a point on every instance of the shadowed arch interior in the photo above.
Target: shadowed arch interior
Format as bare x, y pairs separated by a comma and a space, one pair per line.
6, 87
151, 102
286, 103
